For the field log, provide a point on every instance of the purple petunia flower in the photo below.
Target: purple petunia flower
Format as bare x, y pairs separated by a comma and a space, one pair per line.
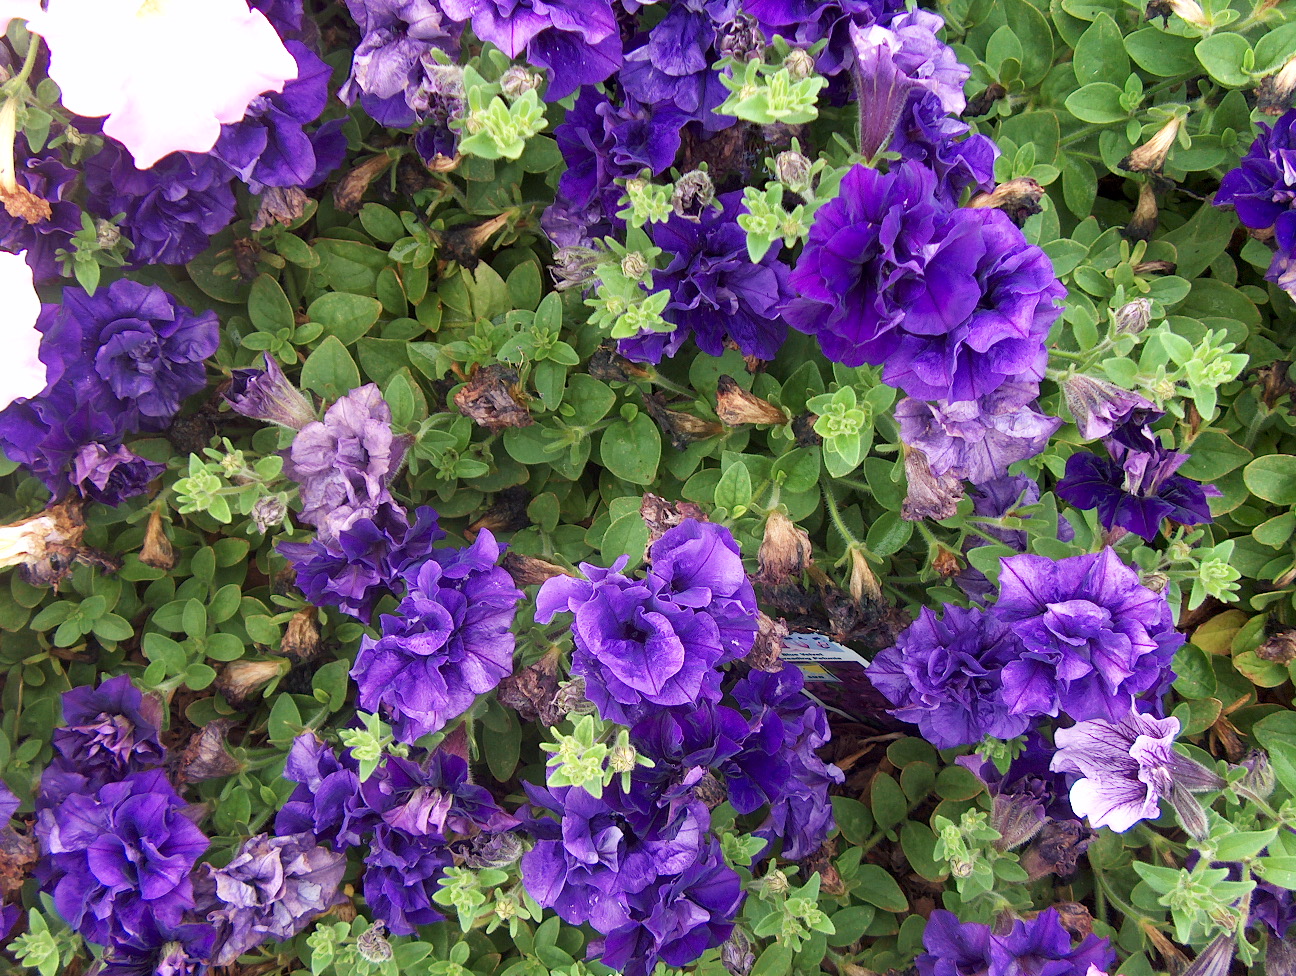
670, 65
1126, 768
266, 394
946, 677
119, 858
806, 22
448, 642
977, 440
1093, 637
388, 67
160, 950
402, 873
269, 146
172, 209
110, 731
434, 798
1040, 945
716, 292
1136, 490
44, 175
1262, 189
110, 477
926, 134
367, 560
951, 304
272, 889
577, 40
1029, 784
345, 462
327, 801
1099, 407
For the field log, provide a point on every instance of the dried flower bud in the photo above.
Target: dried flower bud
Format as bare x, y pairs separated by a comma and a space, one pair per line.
770, 634
530, 571
736, 954
1151, 156
981, 104
946, 563
493, 850
682, 428
784, 551
517, 81
741, 39
928, 496
1056, 848
1018, 817
1133, 317
507, 513
464, 244
864, 586
793, 170
207, 755
662, 515
270, 511
800, 64
241, 682
570, 698
280, 205
1019, 199
493, 399
532, 691
573, 267
634, 265
1144, 222
373, 945
1216, 959
735, 406
693, 193
803, 430
20, 202
1274, 93
1280, 648
1075, 918
776, 882
1259, 779
301, 641
352, 187
1155, 268
157, 551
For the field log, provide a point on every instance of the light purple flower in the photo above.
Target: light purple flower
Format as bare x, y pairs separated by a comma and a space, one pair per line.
1099, 406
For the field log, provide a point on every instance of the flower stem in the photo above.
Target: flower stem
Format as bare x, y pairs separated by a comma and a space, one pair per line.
834, 513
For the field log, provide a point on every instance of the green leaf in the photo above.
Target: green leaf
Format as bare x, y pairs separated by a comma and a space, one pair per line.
631, 449
1028, 22
159, 648
381, 223
1161, 53
268, 306
285, 720
1214, 454
1098, 102
344, 316
330, 371
853, 819
1222, 56
887, 802
1100, 52
733, 492
878, 887
1273, 478
776, 960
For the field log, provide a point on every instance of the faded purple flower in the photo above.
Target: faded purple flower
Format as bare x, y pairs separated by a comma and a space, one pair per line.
119, 858
448, 642
1099, 407
272, 889
110, 731
345, 462
977, 440
1126, 768
110, 477
432, 798
806, 22
1136, 490
951, 304
266, 394
1093, 637
159, 950
172, 209
946, 677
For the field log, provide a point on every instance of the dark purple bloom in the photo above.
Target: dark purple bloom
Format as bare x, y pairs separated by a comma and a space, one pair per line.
345, 462
402, 872
1040, 947
1029, 783
44, 175
448, 642
1136, 491
45, 432
1093, 637
433, 798
160, 950
272, 889
977, 440
716, 292
284, 15
927, 134
120, 857
946, 677
954, 948
172, 209
951, 304
367, 560
995, 499
1126, 768
269, 146
677, 920
1099, 407
808, 21
327, 800
388, 67
1263, 189
110, 477
110, 731
266, 394
577, 40
671, 67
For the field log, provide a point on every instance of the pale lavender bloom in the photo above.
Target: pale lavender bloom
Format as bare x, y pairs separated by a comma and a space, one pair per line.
1098, 406
1126, 769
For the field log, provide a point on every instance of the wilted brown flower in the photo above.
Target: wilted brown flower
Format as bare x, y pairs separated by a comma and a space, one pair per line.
23, 204
662, 515
863, 582
508, 513
1144, 222
241, 682
770, 634
528, 570
207, 754
784, 551
1056, 849
735, 406
682, 428
981, 104
803, 430
351, 188
157, 551
493, 398
1019, 199
929, 496
301, 641
1151, 156
1280, 648
1274, 93
464, 244
280, 205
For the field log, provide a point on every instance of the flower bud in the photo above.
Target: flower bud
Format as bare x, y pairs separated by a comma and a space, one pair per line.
693, 193
792, 169
157, 551
1259, 779
946, 563
1151, 156
1099, 406
1189, 812
1280, 648
1133, 317
517, 81
464, 244
735, 406
573, 267
634, 265
570, 698
1018, 817
107, 234
736, 954
493, 850
1144, 222
784, 552
864, 584
770, 634
301, 641
267, 395
1019, 199
775, 882
800, 64
530, 571
981, 104
269, 511
242, 681
207, 755
1216, 959
352, 187
741, 39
